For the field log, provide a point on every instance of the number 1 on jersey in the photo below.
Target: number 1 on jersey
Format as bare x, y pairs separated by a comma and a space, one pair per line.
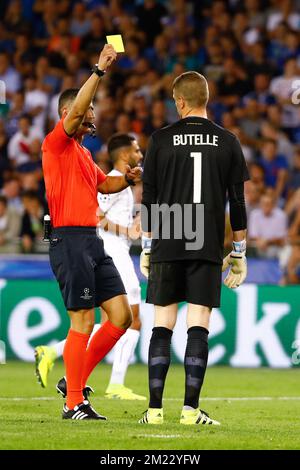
197, 156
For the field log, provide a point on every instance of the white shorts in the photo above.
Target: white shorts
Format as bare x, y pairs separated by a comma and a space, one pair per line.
124, 264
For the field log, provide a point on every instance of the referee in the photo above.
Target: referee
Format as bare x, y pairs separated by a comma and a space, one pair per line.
189, 167
86, 274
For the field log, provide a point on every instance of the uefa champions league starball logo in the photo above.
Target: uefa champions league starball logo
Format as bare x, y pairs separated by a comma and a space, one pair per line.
86, 294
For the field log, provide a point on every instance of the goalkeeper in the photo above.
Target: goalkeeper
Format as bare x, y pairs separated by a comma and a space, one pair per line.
189, 167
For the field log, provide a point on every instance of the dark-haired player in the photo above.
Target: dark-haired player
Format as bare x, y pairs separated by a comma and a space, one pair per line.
189, 168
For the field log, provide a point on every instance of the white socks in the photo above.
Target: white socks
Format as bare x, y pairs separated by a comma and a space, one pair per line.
59, 348
124, 350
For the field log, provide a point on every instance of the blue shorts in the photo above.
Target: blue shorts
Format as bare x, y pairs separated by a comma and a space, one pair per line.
86, 275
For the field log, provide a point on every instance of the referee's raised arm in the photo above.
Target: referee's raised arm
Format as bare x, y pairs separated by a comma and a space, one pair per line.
86, 93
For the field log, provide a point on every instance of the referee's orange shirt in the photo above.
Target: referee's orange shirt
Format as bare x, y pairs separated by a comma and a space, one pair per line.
71, 179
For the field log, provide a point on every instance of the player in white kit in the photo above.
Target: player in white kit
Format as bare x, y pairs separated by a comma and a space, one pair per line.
117, 229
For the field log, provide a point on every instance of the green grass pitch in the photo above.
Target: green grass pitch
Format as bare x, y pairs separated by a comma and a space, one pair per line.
258, 409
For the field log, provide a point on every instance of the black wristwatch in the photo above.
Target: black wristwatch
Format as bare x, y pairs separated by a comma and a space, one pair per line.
97, 71
129, 181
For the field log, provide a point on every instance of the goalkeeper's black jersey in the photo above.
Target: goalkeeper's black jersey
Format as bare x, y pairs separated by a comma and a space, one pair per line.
188, 168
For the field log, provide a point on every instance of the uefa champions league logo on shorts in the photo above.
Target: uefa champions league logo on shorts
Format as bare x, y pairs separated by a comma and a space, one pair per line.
86, 295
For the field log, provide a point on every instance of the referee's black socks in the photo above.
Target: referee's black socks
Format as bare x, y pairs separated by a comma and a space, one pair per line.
159, 361
195, 362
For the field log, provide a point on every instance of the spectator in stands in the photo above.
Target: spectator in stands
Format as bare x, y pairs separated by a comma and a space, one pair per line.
10, 221
268, 227
123, 123
47, 79
275, 167
159, 53
32, 222
157, 120
283, 11
257, 18
234, 84
214, 61
34, 164
282, 88
11, 190
15, 112
140, 113
9, 76
13, 17
150, 14
252, 197
257, 61
131, 56
36, 102
80, 22
25, 54
269, 130
261, 93
94, 40
182, 55
19, 145
61, 41
247, 143
250, 120
294, 180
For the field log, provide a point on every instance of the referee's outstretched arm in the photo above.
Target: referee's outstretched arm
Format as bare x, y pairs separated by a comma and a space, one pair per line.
115, 184
86, 94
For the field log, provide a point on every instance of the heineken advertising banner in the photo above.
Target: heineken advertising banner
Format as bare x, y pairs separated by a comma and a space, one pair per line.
255, 325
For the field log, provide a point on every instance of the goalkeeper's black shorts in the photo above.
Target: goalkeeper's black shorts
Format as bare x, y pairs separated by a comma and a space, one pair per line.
194, 281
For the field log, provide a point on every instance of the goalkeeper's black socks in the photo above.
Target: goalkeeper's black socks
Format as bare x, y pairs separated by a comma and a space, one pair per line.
158, 363
195, 362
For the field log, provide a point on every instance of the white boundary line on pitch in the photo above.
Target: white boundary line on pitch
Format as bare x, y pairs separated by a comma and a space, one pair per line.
165, 399
161, 436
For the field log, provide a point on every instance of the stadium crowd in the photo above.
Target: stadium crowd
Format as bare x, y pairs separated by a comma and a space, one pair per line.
248, 50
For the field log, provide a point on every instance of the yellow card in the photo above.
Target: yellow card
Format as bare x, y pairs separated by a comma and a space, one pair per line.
116, 41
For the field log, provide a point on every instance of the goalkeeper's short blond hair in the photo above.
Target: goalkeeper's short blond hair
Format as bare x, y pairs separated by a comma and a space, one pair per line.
193, 87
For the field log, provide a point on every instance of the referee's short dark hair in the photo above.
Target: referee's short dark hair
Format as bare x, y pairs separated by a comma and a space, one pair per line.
193, 87
116, 142
66, 96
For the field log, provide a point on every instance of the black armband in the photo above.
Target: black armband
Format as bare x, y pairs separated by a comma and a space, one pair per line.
238, 214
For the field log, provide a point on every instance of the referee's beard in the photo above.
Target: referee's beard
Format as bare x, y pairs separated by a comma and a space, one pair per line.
81, 132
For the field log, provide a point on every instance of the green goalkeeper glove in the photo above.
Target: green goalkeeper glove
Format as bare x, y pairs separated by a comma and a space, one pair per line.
237, 264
